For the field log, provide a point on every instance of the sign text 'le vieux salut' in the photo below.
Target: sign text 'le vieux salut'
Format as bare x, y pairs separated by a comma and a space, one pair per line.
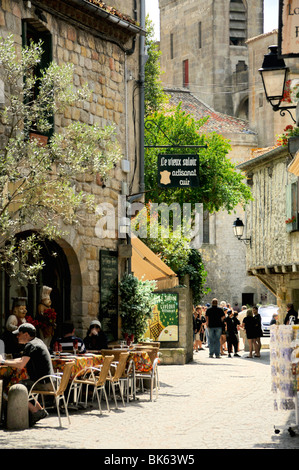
288, 32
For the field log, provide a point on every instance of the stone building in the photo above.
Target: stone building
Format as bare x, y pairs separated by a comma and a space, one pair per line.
105, 46
203, 44
223, 255
262, 120
274, 254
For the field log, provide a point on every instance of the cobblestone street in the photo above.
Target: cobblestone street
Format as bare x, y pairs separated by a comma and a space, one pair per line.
222, 403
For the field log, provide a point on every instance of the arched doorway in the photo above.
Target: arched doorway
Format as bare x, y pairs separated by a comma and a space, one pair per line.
55, 274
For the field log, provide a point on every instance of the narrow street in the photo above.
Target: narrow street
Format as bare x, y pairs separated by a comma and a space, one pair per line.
222, 403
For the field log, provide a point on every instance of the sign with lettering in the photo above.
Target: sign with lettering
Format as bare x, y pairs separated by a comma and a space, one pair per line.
178, 171
108, 277
164, 325
288, 30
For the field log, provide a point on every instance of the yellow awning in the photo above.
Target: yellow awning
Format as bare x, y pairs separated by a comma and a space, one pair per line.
294, 165
148, 266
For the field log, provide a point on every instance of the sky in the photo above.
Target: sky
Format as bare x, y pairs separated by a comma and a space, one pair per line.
270, 15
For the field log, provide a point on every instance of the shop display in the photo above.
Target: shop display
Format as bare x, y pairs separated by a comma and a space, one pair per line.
282, 350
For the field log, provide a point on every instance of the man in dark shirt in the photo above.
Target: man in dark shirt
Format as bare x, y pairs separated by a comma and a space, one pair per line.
291, 316
214, 321
37, 360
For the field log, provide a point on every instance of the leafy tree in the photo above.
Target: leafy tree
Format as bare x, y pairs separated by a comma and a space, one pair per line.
136, 304
38, 181
174, 249
154, 96
221, 186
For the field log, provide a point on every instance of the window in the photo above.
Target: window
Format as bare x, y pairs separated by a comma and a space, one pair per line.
186, 73
199, 36
206, 227
292, 207
33, 31
171, 46
237, 23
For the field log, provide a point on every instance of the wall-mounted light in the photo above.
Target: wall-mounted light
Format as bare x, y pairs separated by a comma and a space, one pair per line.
274, 74
238, 228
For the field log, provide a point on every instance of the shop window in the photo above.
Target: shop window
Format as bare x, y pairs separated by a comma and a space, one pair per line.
292, 207
33, 31
237, 23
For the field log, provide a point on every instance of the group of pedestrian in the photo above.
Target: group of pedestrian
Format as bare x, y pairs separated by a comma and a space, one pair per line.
252, 325
221, 328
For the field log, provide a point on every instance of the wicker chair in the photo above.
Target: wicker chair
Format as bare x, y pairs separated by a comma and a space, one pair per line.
115, 379
59, 384
94, 377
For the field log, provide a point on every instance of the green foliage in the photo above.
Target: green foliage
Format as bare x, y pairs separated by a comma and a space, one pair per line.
136, 304
38, 182
154, 96
221, 185
194, 267
173, 247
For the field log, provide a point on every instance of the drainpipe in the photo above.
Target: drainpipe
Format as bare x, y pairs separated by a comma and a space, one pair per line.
142, 61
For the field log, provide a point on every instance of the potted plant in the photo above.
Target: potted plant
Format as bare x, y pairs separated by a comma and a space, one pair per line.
136, 303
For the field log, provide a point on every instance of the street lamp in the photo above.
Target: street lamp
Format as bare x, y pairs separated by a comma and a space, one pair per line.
274, 73
238, 228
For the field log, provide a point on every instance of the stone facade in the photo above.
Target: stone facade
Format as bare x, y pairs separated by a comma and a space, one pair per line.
266, 123
104, 54
205, 33
274, 255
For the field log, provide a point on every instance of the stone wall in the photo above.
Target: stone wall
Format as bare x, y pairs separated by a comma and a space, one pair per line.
274, 255
213, 63
100, 60
181, 352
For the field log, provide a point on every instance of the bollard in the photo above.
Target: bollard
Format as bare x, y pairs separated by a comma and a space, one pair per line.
17, 408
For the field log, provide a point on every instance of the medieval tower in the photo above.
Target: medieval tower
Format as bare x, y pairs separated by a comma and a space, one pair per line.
203, 44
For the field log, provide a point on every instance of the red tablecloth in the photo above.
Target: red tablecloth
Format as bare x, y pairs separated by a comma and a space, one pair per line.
81, 362
12, 376
141, 360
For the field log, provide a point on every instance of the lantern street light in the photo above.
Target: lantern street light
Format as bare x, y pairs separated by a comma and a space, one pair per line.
274, 74
238, 228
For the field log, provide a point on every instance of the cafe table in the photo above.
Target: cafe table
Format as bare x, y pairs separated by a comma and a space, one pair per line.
81, 362
12, 376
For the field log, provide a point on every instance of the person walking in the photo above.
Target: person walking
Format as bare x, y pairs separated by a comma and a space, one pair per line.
258, 332
232, 324
198, 329
214, 321
249, 325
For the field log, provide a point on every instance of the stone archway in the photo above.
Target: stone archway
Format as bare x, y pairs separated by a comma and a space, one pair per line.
61, 272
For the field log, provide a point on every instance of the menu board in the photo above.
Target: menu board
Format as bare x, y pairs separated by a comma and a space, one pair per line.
164, 325
108, 313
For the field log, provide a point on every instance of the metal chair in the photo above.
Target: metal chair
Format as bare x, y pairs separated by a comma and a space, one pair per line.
95, 377
59, 384
152, 376
114, 380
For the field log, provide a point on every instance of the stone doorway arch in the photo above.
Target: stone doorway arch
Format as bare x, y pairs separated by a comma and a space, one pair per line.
61, 272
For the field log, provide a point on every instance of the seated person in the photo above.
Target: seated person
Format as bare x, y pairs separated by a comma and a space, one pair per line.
95, 339
69, 340
36, 358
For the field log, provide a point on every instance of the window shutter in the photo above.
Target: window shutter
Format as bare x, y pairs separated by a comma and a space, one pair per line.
292, 207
